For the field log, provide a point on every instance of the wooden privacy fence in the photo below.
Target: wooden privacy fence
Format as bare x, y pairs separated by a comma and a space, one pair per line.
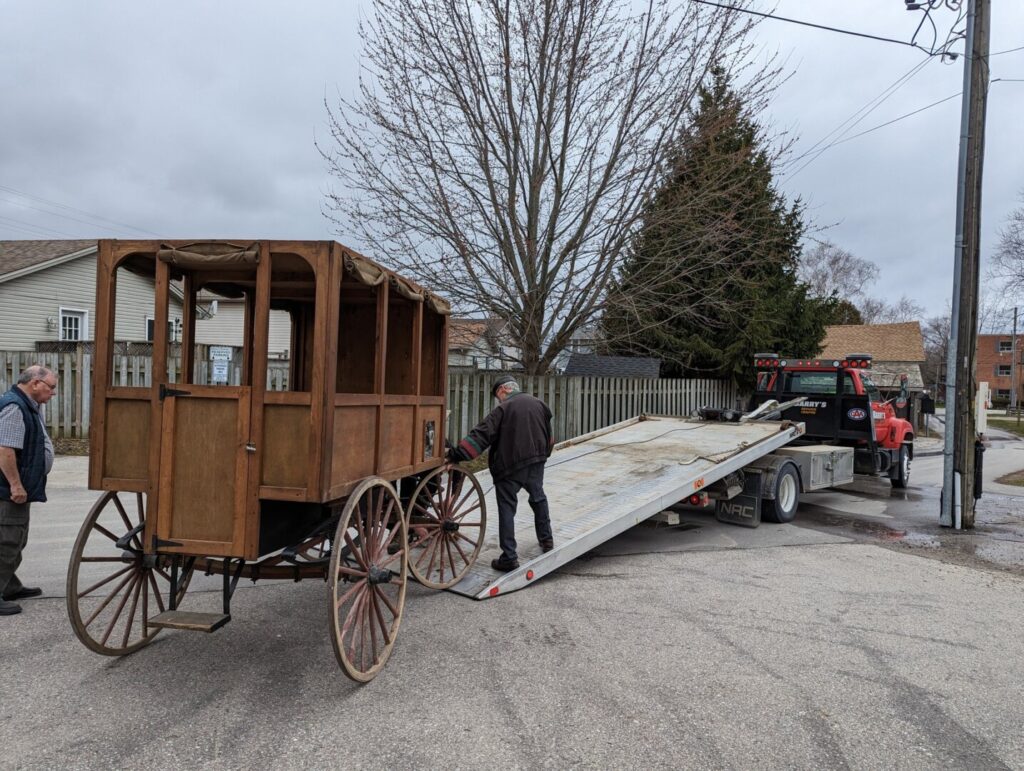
584, 404
579, 404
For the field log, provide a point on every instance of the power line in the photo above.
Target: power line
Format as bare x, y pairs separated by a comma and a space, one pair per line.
816, 26
895, 120
36, 230
93, 217
1007, 51
847, 125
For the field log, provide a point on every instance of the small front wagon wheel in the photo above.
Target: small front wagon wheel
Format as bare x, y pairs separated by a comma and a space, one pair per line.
113, 587
447, 519
367, 578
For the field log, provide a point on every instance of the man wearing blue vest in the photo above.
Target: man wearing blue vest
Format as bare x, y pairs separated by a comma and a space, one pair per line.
26, 457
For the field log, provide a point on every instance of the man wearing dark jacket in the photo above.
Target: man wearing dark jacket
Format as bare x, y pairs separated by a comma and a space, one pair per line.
518, 431
26, 456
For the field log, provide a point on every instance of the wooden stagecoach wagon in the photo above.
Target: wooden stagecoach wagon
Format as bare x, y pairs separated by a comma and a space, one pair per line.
339, 477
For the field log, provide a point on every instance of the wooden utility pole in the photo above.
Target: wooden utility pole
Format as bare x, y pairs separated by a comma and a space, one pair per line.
959, 465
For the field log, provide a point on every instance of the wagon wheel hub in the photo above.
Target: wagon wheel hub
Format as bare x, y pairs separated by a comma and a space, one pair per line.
378, 575
450, 526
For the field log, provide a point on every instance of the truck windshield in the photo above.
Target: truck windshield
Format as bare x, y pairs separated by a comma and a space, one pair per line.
810, 383
870, 388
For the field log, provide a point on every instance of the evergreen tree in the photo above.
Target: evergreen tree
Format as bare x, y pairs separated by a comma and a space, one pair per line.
711, 278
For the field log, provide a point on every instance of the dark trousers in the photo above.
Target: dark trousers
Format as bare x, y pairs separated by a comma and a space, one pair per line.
13, 537
505, 490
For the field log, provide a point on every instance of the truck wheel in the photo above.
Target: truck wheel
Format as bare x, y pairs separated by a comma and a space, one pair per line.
902, 478
787, 496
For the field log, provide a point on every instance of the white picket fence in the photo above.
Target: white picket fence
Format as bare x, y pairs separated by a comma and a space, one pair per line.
579, 404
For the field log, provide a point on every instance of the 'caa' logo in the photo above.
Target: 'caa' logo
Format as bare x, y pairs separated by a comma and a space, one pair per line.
856, 413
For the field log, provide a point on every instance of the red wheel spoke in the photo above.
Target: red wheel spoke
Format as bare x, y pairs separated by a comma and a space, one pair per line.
347, 628
106, 580
451, 559
433, 517
373, 629
422, 545
341, 600
355, 552
351, 572
391, 558
120, 607
387, 601
472, 508
379, 616
470, 541
458, 548
433, 554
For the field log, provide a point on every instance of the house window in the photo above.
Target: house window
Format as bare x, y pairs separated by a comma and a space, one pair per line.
1002, 394
1003, 370
149, 330
73, 324
1005, 346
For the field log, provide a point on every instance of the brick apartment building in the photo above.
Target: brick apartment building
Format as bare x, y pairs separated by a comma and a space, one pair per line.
995, 366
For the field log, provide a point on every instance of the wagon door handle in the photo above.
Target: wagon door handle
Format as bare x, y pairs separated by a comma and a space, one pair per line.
166, 392
250, 447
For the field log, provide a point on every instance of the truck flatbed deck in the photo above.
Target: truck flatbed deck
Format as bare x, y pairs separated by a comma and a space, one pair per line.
603, 483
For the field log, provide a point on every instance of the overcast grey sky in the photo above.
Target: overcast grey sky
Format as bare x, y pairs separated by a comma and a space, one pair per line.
198, 119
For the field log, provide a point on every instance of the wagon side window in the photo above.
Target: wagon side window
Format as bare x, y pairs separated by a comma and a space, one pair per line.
135, 326
432, 354
401, 373
292, 323
357, 339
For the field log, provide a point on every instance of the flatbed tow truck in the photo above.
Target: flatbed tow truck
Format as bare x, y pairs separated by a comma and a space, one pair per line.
753, 466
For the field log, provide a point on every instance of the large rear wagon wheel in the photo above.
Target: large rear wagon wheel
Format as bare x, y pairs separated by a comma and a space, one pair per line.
113, 588
367, 578
447, 522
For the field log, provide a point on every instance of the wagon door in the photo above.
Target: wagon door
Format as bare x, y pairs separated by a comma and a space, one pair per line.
204, 469
204, 500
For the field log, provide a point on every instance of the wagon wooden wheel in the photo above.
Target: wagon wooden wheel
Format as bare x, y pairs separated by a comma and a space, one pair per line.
113, 589
367, 578
447, 522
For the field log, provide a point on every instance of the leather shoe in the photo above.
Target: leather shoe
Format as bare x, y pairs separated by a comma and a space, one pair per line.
24, 593
546, 546
502, 566
9, 608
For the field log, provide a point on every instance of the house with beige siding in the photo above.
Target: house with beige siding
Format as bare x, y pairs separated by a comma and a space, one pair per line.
48, 296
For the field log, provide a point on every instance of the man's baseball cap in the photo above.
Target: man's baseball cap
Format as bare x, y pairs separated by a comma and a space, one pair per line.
500, 382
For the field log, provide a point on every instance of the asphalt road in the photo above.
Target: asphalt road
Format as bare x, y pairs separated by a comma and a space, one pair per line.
847, 641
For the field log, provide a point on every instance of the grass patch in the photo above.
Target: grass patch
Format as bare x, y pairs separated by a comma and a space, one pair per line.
70, 446
1009, 425
1016, 478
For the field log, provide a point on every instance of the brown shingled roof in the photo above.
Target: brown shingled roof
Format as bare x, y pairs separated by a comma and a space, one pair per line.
17, 255
885, 342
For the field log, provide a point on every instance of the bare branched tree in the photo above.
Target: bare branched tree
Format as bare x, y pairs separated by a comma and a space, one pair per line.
502, 151
1008, 260
875, 311
829, 270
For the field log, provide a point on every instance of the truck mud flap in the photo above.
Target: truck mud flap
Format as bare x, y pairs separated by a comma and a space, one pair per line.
745, 508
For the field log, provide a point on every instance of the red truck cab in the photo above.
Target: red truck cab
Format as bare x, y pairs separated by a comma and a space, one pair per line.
841, 405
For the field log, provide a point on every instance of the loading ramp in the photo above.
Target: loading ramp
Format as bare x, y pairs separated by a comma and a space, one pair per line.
604, 483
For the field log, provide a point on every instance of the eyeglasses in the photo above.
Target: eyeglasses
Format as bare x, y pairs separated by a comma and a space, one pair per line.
51, 386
